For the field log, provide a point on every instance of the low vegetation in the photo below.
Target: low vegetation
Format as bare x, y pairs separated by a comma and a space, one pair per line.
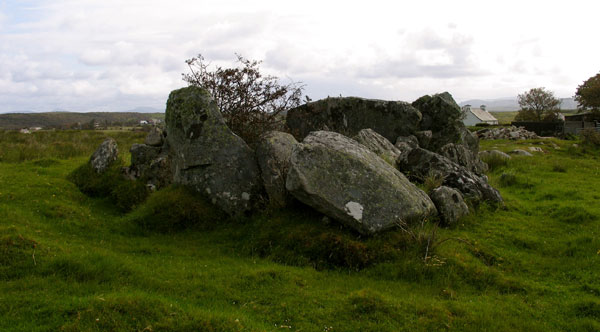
72, 120
123, 193
175, 264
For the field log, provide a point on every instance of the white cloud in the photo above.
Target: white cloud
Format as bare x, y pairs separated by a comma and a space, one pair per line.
113, 54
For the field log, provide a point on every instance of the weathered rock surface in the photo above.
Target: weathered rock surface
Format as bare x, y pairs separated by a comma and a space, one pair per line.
142, 155
405, 144
155, 137
344, 180
488, 154
207, 156
378, 145
519, 152
512, 133
424, 137
105, 155
536, 149
273, 153
461, 155
411, 140
442, 116
150, 164
421, 163
450, 204
349, 115
470, 140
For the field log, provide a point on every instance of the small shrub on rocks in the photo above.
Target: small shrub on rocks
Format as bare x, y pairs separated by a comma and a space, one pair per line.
432, 180
251, 103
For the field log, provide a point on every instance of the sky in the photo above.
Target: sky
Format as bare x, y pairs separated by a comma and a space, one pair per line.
104, 55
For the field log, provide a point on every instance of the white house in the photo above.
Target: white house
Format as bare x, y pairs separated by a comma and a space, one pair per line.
474, 116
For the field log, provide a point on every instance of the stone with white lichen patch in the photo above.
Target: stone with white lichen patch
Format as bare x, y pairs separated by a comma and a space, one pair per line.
355, 210
346, 181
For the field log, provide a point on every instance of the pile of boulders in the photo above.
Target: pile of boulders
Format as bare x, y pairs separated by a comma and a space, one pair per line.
355, 160
512, 133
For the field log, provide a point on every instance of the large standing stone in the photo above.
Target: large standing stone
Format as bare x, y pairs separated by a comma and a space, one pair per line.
442, 116
421, 163
450, 204
273, 153
207, 155
461, 155
378, 145
344, 180
105, 155
349, 115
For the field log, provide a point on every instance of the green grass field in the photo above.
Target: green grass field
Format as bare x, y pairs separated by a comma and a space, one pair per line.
505, 118
73, 263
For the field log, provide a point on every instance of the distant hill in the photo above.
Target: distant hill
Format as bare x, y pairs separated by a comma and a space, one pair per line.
511, 104
145, 110
73, 120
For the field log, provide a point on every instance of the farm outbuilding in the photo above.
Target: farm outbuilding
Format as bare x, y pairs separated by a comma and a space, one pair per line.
475, 116
577, 122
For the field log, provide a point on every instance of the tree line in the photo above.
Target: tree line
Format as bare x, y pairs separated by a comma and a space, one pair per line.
540, 105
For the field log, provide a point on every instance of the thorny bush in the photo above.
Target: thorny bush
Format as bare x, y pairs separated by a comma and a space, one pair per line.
250, 102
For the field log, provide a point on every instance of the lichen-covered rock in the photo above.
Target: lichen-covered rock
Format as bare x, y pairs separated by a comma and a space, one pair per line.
461, 155
489, 154
450, 204
105, 155
519, 152
424, 137
442, 116
349, 115
344, 180
155, 137
411, 140
469, 139
273, 153
207, 156
378, 145
142, 154
512, 133
405, 144
150, 164
422, 163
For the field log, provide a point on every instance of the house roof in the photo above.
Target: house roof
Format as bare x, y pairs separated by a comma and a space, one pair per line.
482, 115
588, 116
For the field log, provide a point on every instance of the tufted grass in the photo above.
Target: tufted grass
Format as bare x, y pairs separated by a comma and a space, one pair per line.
69, 262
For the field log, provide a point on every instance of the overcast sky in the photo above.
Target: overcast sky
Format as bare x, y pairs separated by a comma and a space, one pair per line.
103, 55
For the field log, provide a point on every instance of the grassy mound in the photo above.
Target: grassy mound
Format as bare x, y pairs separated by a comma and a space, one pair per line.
69, 262
300, 236
124, 193
174, 209
17, 255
